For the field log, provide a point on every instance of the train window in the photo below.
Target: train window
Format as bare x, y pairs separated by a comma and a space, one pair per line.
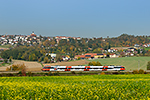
47, 68
118, 67
51, 67
77, 68
61, 68
108, 68
95, 68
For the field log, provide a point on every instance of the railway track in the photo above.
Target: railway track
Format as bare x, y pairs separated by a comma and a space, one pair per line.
12, 72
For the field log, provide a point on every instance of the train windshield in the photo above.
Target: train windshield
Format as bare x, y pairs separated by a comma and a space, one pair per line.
48, 68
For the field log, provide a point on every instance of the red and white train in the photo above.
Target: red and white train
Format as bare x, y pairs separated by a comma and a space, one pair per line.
83, 68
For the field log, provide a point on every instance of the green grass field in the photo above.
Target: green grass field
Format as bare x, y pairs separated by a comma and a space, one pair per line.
130, 63
147, 48
5, 46
89, 87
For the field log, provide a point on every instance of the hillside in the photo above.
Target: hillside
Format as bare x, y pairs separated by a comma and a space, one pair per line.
130, 63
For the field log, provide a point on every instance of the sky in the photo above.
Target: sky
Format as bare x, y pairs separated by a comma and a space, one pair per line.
79, 18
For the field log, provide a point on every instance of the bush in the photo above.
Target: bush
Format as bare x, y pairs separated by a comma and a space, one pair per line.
7, 69
148, 65
23, 70
141, 71
98, 63
19, 73
102, 73
73, 72
56, 73
79, 58
128, 73
49, 73
5, 60
93, 63
9, 74
135, 72
29, 74
90, 63
17, 67
10, 59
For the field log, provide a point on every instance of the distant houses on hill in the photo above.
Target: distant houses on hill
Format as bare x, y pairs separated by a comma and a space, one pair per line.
90, 56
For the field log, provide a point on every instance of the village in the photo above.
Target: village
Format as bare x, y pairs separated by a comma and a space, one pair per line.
33, 39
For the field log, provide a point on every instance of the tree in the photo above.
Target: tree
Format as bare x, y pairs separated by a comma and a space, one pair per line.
49, 56
59, 57
143, 52
4, 55
5, 60
25, 56
97, 50
45, 59
30, 58
148, 65
90, 63
19, 56
10, 59
138, 51
93, 63
34, 57
46, 43
98, 63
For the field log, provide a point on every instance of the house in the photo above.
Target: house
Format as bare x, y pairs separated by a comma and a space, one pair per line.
65, 58
53, 55
80, 56
136, 45
146, 45
113, 55
99, 55
90, 55
131, 49
110, 50
32, 34
129, 54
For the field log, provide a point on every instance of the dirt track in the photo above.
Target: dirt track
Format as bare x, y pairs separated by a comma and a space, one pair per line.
35, 66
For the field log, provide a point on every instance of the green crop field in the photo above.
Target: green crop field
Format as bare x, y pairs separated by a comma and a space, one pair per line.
130, 63
94, 87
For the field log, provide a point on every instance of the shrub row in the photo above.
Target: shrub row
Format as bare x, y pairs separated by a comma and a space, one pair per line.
70, 73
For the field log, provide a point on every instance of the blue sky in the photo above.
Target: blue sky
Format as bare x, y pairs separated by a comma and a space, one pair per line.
84, 18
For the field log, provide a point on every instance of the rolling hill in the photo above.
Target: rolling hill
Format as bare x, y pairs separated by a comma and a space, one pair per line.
130, 63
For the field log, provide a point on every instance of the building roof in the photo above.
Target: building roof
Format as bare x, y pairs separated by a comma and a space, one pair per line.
91, 54
81, 56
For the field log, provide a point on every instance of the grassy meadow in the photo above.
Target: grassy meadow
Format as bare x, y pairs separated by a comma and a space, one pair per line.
89, 87
148, 48
130, 63
5, 46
